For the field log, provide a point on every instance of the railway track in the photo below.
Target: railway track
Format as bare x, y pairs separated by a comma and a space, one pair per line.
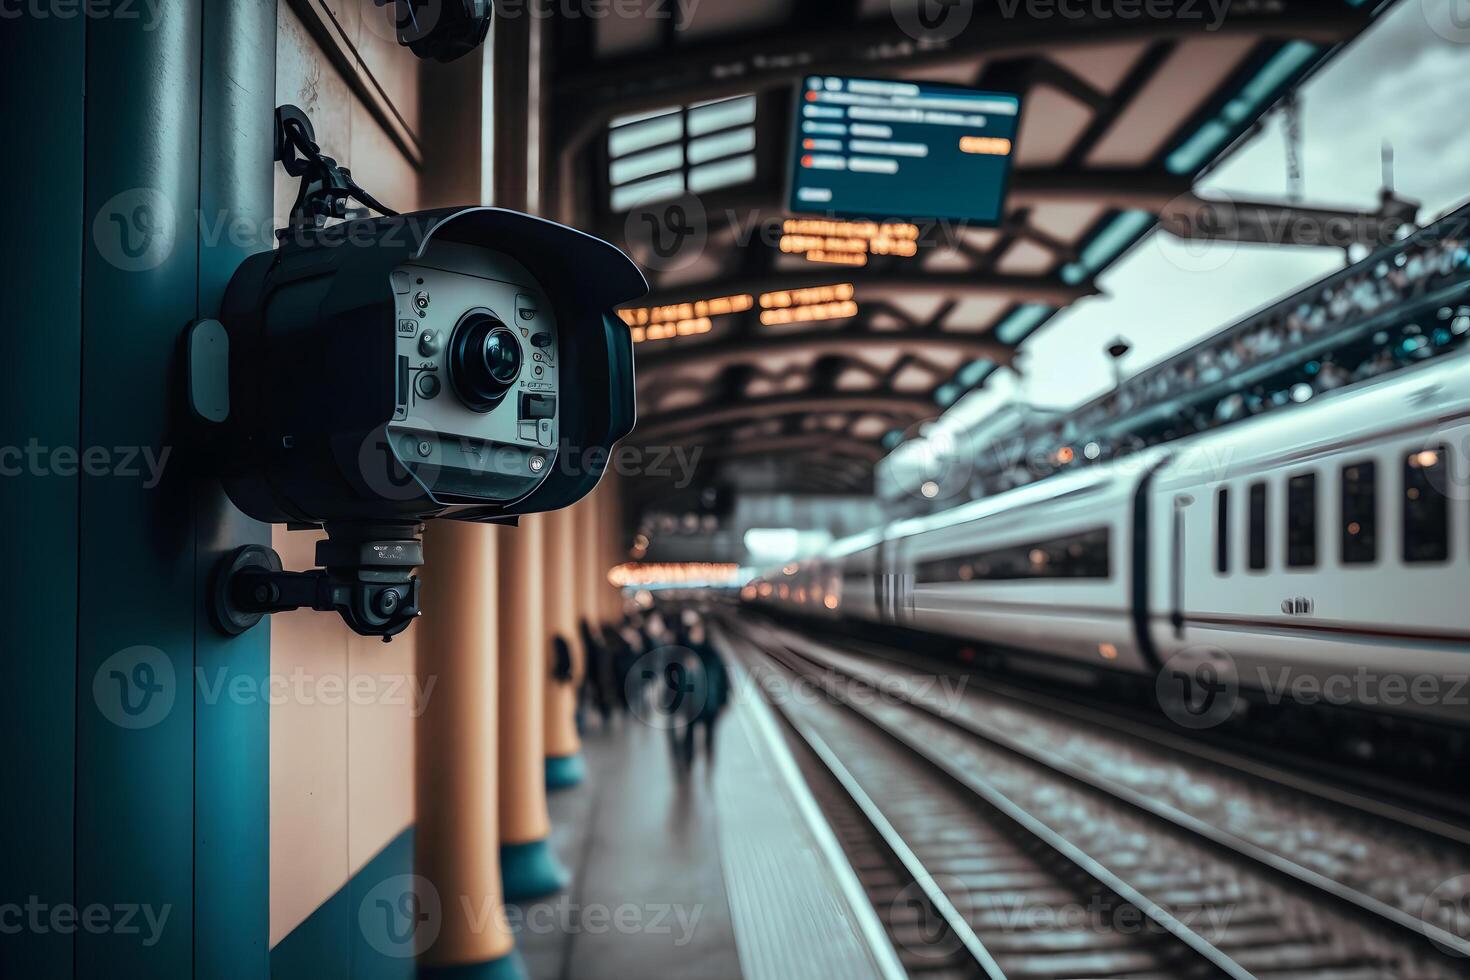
983, 860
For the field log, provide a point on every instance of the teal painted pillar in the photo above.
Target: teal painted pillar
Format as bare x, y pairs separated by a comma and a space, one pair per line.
40, 342
136, 608
137, 181
231, 736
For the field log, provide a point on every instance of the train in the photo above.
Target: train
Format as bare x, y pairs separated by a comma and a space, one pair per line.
1316, 553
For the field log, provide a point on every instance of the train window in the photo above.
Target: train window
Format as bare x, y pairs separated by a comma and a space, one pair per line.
1222, 531
1301, 521
1257, 543
1360, 513
1426, 508
1086, 556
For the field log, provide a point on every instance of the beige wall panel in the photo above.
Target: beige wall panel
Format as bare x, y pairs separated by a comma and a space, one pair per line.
383, 700
306, 79
378, 165
342, 738
308, 755
394, 68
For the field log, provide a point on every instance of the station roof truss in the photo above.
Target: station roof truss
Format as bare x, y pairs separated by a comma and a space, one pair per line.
748, 346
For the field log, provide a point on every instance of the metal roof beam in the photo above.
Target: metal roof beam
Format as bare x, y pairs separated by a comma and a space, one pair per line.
664, 355
717, 69
908, 282
690, 421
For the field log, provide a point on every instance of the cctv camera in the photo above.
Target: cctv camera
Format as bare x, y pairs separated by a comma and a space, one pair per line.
385, 371
442, 30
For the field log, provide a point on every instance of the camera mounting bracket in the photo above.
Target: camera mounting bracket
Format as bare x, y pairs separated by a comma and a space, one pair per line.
325, 186
366, 577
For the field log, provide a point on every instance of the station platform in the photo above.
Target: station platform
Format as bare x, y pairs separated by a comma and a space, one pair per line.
727, 871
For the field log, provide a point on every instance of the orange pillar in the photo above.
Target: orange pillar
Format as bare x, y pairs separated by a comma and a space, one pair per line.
564, 765
590, 581
456, 835
610, 538
528, 866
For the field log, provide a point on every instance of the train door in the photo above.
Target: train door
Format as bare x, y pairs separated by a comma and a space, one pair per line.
1178, 561
890, 585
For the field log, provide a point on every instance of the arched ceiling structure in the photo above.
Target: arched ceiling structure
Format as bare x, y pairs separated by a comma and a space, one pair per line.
749, 351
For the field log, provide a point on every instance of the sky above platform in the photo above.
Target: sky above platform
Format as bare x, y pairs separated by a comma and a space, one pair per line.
1407, 82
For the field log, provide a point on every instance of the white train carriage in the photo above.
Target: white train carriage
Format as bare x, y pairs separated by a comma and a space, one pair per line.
1326, 548
1047, 568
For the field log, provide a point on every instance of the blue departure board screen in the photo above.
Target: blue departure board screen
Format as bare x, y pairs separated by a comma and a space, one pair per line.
866, 148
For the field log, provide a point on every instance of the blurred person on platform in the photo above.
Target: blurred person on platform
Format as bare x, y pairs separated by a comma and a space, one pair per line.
598, 683
708, 688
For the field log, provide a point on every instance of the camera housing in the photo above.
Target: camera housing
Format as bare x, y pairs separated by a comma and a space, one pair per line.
441, 30
462, 363
431, 364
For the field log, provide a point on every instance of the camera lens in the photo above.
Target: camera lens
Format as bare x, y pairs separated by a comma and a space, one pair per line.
502, 356
484, 360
